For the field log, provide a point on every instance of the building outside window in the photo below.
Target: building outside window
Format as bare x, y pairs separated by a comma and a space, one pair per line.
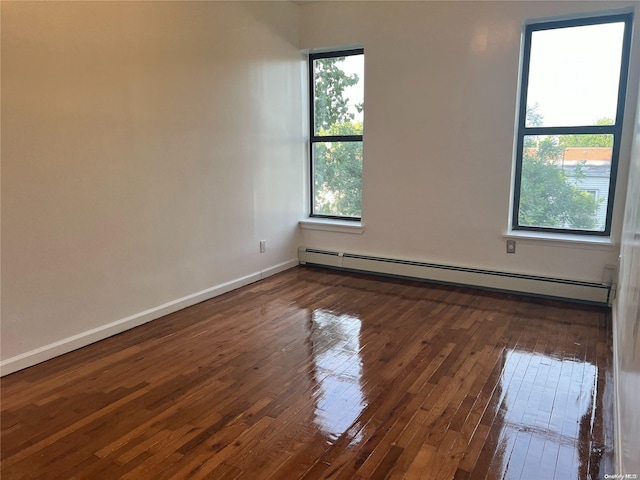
572, 94
336, 85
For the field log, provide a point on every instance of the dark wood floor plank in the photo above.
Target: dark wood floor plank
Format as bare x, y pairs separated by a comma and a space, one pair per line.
318, 374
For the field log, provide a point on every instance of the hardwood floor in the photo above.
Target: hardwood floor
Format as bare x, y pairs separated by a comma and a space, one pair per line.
317, 374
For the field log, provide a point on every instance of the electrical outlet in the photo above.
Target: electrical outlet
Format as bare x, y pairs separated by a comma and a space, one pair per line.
263, 246
511, 246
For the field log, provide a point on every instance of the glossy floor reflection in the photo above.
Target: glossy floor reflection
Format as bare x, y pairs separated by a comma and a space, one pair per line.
335, 341
314, 374
546, 416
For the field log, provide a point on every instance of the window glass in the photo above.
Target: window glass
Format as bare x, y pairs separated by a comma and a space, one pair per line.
559, 176
574, 74
338, 93
338, 178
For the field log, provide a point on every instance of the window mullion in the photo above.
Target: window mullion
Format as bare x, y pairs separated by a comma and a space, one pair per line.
336, 138
583, 130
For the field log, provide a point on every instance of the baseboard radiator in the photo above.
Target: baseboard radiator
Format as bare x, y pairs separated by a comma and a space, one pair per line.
573, 290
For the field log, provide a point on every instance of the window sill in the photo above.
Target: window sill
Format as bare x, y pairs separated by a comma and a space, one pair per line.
562, 240
331, 225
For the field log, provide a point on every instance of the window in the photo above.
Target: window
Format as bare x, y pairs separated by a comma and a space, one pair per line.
336, 86
574, 76
593, 194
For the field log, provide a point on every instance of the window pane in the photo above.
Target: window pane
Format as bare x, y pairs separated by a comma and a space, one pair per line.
565, 181
338, 95
337, 178
574, 75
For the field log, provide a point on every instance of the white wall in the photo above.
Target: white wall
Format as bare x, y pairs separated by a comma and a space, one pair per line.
626, 317
147, 147
441, 83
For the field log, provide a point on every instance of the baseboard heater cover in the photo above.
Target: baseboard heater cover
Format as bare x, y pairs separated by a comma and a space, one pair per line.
574, 290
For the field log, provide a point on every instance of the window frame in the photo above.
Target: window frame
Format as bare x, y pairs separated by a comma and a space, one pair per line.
615, 129
313, 138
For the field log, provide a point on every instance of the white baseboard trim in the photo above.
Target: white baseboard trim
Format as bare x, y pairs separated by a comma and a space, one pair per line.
66, 345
